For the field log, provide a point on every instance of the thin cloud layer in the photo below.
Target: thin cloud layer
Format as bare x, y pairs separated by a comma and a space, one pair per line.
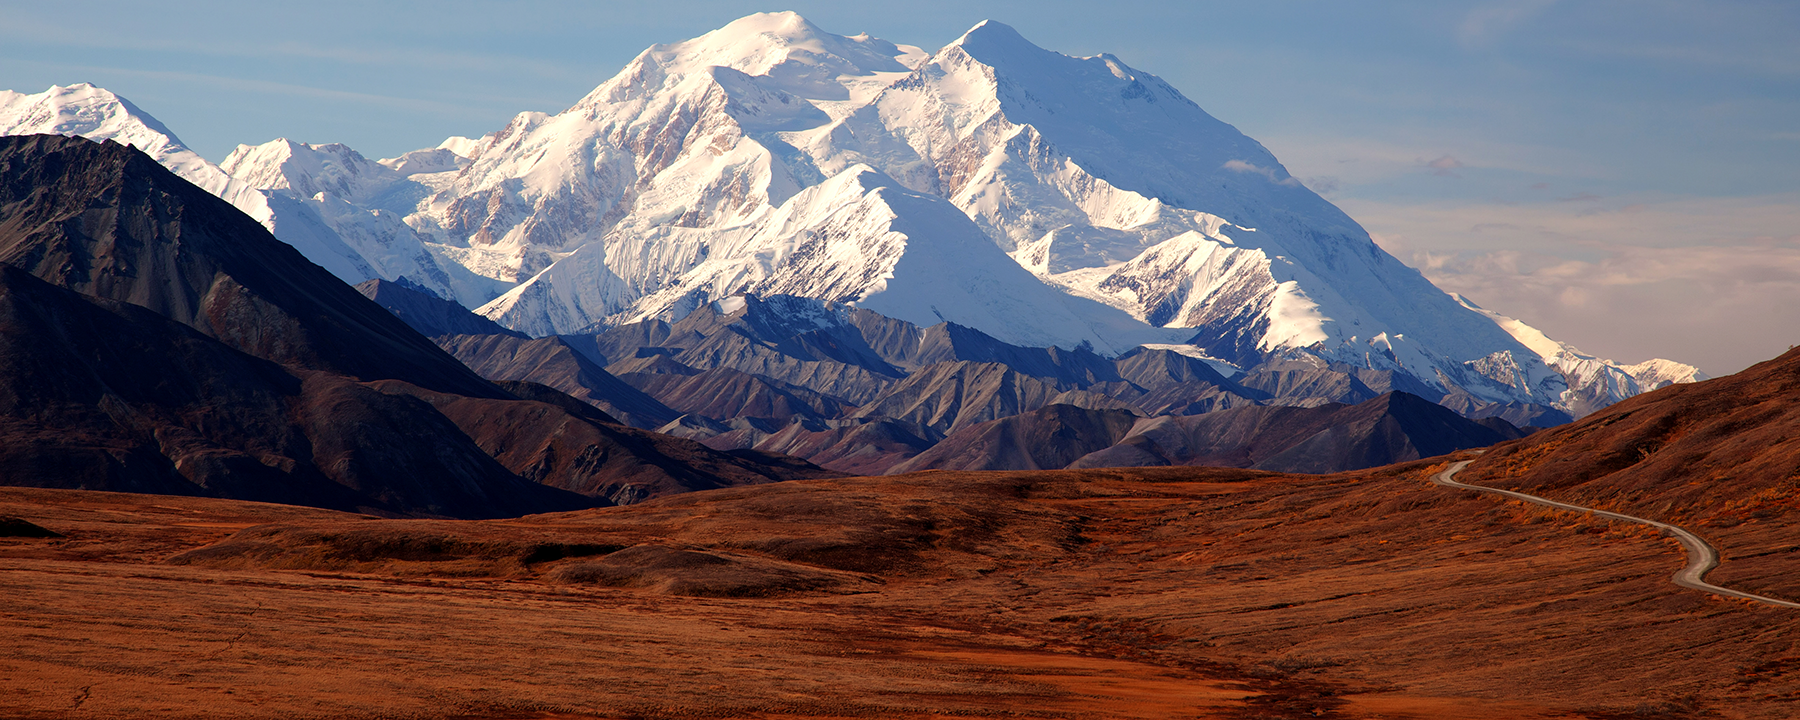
1445, 166
1714, 282
1484, 25
1253, 169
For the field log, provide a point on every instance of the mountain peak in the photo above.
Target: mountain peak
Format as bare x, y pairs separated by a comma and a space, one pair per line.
994, 42
991, 31
1053, 199
82, 108
758, 44
90, 111
783, 52
782, 23
308, 169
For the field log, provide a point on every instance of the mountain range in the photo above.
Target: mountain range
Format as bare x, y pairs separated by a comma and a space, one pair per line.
858, 392
1045, 200
155, 339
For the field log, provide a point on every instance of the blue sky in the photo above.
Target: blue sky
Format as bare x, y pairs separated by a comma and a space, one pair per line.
1625, 175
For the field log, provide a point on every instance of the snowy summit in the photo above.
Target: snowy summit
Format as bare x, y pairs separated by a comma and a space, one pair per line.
1042, 198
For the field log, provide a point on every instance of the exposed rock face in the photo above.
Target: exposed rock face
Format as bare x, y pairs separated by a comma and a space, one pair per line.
795, 340
726, 393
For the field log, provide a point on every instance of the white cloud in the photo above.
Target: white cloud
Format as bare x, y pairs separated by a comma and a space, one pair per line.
1244, 167
1709, 281
1323, 184
1722, 308
1445, 166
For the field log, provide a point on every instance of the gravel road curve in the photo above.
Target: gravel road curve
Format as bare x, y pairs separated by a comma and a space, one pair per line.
1702, 557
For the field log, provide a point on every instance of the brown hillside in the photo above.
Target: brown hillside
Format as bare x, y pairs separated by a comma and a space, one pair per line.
1720, 457
1132, 593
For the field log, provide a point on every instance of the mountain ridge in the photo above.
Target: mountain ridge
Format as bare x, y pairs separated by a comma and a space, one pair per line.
156, 338
771, 156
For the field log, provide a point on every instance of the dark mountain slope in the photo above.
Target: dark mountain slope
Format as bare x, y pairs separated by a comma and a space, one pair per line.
949, 396
1048, 438
724, 393
429, 314
562, 442
103, 219
1392, 428
103, 395
1329, 438
552, 361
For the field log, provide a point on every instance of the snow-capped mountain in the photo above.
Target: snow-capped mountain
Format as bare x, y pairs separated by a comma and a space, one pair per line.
97, 114
1045, 199
328, 201
1593, 382
347, 212
656, 162
675, 184
857, 237
708, 167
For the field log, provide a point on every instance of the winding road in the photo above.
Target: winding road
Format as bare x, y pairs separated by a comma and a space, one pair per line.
1702, 557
